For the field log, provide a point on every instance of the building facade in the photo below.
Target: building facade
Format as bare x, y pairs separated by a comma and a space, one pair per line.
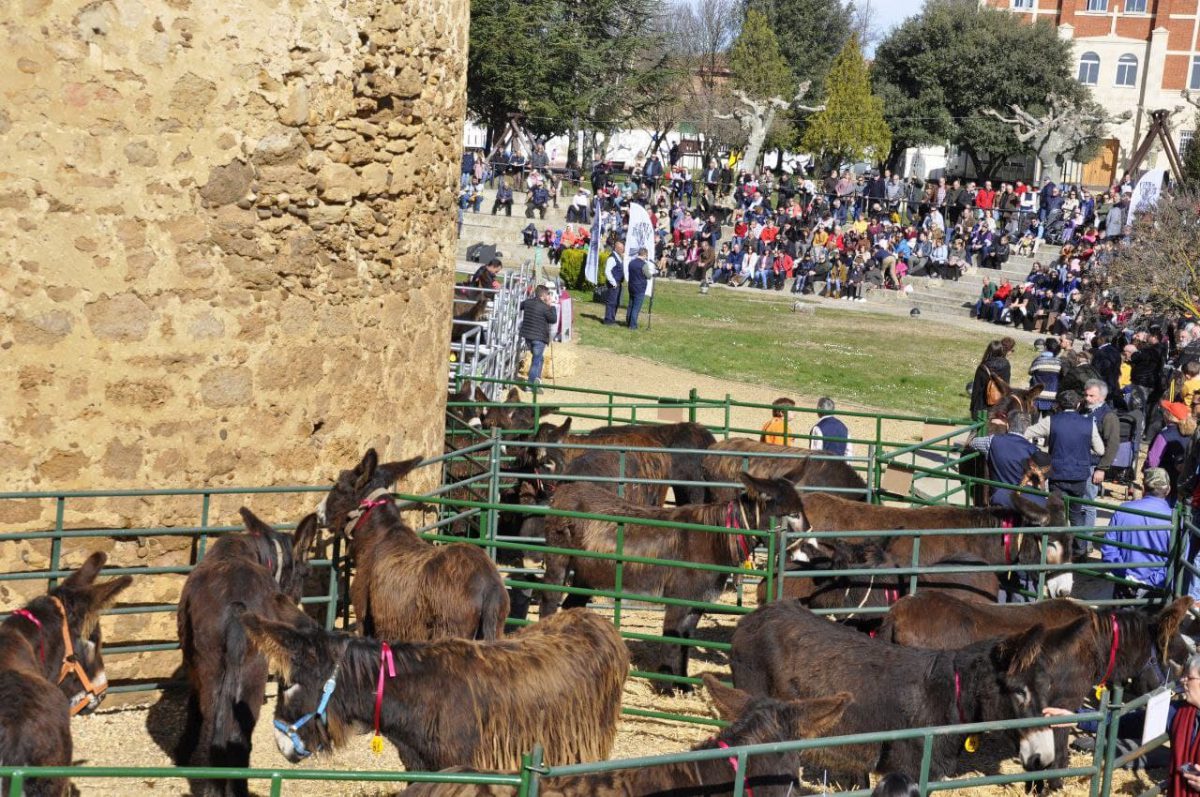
1135, 55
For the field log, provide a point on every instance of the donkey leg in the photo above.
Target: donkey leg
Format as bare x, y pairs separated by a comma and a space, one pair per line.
677, 622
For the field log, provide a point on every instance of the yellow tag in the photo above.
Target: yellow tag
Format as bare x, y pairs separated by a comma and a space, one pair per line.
1099, 690
377, 745
748, 564
971, 745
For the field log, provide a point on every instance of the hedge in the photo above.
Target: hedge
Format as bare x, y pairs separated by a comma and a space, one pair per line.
571, 269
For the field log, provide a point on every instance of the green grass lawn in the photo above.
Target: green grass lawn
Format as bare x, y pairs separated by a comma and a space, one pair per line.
882, 361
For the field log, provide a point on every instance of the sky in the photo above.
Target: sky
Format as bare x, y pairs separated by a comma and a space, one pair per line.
890, 13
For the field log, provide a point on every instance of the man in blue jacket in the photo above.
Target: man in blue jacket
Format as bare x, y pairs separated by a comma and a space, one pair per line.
1148, 570
1072, 439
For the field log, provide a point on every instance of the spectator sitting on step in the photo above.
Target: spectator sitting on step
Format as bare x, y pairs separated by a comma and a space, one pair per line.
578, 209
471, 197
504, 198
539, 199
530, 234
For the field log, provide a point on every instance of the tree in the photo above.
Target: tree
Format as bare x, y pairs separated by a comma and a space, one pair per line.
700, 34
851, 127
1063, 132
810, 33
762, 81
1161, 267
941, 67
1191, 160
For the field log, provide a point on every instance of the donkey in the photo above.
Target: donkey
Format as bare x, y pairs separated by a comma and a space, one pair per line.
584, 462
51, 669
753, 720
516, 417
802, 467
453, 702
683, 437
858, 592
786, 651
465, 321
834, 513
1132, 647
761, 500
404, 587
227, 677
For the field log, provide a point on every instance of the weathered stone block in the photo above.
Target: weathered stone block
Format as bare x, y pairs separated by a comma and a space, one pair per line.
123, 317
338, 182
227, 386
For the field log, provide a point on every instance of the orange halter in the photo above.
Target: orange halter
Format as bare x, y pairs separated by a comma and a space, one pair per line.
70, 664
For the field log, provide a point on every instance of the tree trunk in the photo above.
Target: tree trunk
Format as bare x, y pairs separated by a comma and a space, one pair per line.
758, 134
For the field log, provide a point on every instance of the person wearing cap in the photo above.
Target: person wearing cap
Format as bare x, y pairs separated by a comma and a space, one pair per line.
1130, 526
1170, 446
638, 280
1071, 440
1007, 456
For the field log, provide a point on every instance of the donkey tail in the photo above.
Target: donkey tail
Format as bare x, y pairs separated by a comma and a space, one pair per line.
229, 737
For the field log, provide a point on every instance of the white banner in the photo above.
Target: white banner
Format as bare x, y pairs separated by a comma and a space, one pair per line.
591, 267
639, 236
1145, 193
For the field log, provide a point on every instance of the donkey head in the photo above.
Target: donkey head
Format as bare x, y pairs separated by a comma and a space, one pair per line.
309, 661
284, 555
534, 458
353, 486
1166, 650
1034, 514
765, 720
772, 497
1021, 665
82, 677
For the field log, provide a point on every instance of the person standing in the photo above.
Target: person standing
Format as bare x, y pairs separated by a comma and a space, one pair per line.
1095, 395
1007, 455
538, 315
638, 280
614, 275
1157, 484
829, 434
1072, 439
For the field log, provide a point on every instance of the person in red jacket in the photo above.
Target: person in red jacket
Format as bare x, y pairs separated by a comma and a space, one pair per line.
985, 199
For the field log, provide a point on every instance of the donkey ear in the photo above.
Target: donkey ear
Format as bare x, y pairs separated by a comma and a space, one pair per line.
729, 700
1033, 393
302, 540
1170, 619
513, 396
817, 717
278, 642
562, 431
99, 598
393, 472
1019, 652
480, 395
87, 572
252, 522
1034, 514
366, 469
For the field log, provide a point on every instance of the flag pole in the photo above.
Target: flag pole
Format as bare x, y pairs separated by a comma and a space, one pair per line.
650, 313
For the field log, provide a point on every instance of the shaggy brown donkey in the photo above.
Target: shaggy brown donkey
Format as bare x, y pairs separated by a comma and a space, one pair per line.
754, 720
51, 668
227, 677
1132, 647
681, 438
751, 510
804, 469
404, 587
786, 651
454, 702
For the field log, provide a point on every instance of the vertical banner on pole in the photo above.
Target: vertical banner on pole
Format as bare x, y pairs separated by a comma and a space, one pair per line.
639, 236
591, 268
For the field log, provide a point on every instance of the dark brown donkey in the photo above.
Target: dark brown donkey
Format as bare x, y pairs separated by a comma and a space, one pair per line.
454, 702
751, 510
583, 463
753, 720
806, 470
1131, 647
51, 668
681, 438
227, 677
786, 651
826, 512
404, 587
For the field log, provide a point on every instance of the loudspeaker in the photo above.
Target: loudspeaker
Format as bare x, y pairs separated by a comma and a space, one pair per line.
481, 252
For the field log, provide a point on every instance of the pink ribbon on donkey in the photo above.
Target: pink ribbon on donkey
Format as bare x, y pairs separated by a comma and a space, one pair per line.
387, 664
28, 615
733, 762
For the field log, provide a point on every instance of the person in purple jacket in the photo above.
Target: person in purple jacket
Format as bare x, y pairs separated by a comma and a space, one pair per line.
1148, 570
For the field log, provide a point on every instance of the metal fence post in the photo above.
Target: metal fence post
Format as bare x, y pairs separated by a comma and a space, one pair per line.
619, 577
534, 770
926, 764
1098, 755
728, 414
60, 509
1112, 720
493, 492
693, 397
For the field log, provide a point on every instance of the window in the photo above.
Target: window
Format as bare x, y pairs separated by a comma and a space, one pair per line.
1089, 69
1098, 5
1135, 6
1022, 3
1185, 141
1194, 82
1127, 70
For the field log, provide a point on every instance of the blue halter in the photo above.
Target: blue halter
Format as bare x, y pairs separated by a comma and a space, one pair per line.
292, 730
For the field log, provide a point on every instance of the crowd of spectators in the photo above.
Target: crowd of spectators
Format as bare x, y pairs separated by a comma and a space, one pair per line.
835, 236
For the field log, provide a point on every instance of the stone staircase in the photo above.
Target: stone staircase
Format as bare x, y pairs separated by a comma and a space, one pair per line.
936, 298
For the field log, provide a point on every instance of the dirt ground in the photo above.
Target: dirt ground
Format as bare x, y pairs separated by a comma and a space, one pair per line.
141, 736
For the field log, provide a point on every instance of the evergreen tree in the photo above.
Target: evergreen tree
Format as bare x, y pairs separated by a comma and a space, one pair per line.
756, 62
852, 126
1191, 160
811, 33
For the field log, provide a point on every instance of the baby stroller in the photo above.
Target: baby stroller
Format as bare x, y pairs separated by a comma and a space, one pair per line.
1056, 227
